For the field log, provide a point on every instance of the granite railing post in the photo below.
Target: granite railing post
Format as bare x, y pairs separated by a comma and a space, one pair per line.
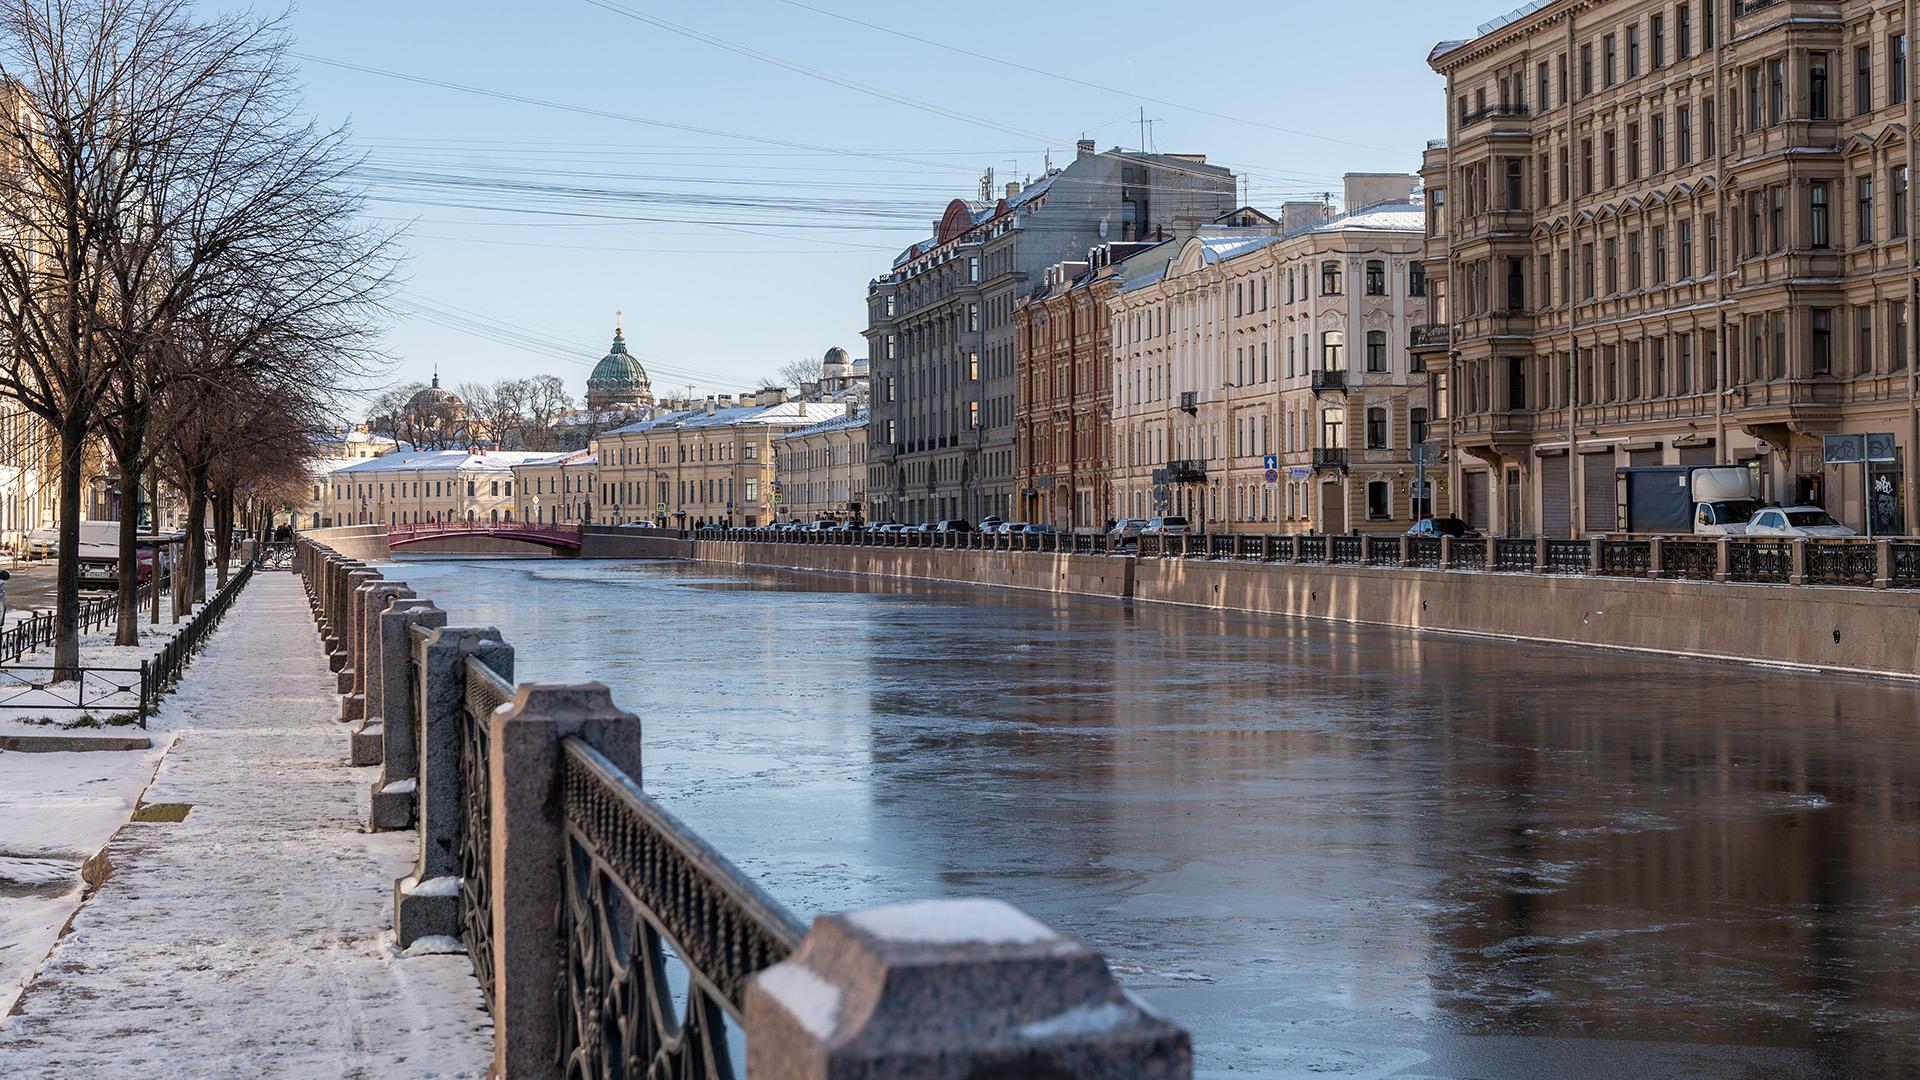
1797, 562
1656, 556
1595, 546
1883, 564
1406, 549
1539, 552
1446, 552
440, 707
369, 691
1327, 547
349, 644
529, 835
1491, 551
950, 990
392, 802
365, 602
1720, 559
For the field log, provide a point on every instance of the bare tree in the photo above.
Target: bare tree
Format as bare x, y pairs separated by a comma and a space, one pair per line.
796, 375
153, 161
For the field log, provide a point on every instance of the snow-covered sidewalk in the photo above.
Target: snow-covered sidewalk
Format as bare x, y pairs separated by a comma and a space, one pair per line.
253, 937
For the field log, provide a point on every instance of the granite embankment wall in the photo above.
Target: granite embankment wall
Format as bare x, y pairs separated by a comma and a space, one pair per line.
366, 542
1864, 631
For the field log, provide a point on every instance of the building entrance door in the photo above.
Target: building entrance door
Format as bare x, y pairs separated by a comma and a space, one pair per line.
1513, 510
1333, 508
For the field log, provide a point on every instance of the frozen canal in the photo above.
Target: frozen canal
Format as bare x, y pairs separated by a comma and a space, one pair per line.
1327, 851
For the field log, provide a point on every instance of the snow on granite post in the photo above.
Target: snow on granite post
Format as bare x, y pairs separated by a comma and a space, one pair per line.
427, 901
529, 836
368, 598
363, 744
393, 793
951, 990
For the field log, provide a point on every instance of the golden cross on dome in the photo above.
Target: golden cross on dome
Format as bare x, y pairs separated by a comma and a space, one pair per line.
616, 320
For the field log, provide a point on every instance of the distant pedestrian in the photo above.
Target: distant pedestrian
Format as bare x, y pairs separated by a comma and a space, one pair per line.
3, 597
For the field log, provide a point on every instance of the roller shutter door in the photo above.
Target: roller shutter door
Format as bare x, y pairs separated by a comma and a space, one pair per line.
1556, 504
1598, 502
1698, 455
1479, 488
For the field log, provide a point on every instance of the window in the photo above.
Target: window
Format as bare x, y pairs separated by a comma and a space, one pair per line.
973, 268
973, 367
1633, 151
1609, 154
1897, 336
1756, 216
1330, 278
1613, 264
1863, 209
1862, 80
1777, 220
1659, 146
1897, 203
1376, 277
1685, 244
1333, 428
1417, 425
1377, 427
1417, 279
1586, 270
1863, 340
1817, 85
1608, 54
1817, 213
1376, 350
1682, 32
1755, 116
1541, 100
1683, 135
973, 318
1633, 51
1633, 261
1896, 69
1776, 90
1710, 144
1659, 254
1586, 70
1332, 344
1658, 40
1820, 358
1586, 166
1379, 501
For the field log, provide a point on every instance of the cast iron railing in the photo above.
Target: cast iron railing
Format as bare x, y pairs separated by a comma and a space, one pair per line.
1348, 550
1626, 558
1469, 553
1906, 565
1313, 549
485, 692
1383, 550
1511, 554
1689, 560
642, 890
1568, 556
1424, 551
1841, 562
165, 669
1760, 561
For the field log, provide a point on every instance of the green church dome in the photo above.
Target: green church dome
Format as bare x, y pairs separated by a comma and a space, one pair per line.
618, 370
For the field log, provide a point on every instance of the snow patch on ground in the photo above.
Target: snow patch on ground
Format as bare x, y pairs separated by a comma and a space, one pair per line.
255, 937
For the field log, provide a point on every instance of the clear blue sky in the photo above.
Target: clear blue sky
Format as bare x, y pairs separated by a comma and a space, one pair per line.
532, 225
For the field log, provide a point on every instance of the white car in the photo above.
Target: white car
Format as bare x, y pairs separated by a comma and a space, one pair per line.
1169, 525
1802, 522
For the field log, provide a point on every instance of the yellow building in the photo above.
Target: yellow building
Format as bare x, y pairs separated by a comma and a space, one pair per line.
423, 486
694, 467
821, 469
556, 489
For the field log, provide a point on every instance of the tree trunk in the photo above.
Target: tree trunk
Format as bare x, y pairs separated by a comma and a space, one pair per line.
196, 535
160, 548
127, 602
66, 590
222, 535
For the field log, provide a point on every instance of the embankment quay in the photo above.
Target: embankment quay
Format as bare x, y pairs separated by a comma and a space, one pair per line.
1836, 606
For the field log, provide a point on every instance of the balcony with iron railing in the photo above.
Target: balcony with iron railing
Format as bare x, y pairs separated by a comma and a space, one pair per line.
1189, 401
1496, 111
1431, 336
1186, 471
1329, 381
1330, 458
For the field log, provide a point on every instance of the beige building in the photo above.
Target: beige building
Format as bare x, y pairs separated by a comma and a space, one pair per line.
1275, 347
1673, 233
556, 489
423, 486
820, 471
701, 466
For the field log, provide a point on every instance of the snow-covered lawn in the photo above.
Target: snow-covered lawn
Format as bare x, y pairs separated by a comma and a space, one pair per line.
56, 811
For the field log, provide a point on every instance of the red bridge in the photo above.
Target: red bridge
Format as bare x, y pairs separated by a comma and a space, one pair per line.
558, 537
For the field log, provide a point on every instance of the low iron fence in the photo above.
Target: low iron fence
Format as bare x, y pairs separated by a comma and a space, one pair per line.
1890, 563
528, 803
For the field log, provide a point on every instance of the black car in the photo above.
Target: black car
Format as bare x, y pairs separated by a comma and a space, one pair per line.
954, 525
1441, 526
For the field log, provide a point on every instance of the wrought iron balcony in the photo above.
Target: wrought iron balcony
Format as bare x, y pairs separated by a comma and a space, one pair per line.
1433, 335
1493, 111
1189, 401
1326, 458
1335, 381
1186, 471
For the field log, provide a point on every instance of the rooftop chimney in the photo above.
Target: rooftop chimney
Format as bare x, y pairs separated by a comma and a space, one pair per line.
709, 404
1083, 149
1372, 189
1013, 189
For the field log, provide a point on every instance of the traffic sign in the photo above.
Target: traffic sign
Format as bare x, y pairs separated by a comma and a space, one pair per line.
1270, 463
662, 508
1273, 476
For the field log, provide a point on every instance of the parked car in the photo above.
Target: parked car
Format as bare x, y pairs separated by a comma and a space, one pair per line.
641, 524
1033, 530
1007, 528
1803, 522
953, 525
1167, 525
1126, 530
1441, 526
991, 522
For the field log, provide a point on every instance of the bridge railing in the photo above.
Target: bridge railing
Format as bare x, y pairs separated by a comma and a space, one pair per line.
427, 530
1886, 563
527, 800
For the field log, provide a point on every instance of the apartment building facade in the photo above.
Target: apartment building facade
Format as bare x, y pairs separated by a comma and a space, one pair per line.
820, 471
1670, 233
940, 331
703, 466
421, 486
556, 489
1262, 377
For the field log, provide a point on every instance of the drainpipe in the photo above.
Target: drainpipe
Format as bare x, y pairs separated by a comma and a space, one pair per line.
1722, 131
1576, 494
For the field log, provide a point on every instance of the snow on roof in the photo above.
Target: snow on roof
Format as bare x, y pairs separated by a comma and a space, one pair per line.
1383, 217
838, 423
571, 457
407, 461
785, 414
